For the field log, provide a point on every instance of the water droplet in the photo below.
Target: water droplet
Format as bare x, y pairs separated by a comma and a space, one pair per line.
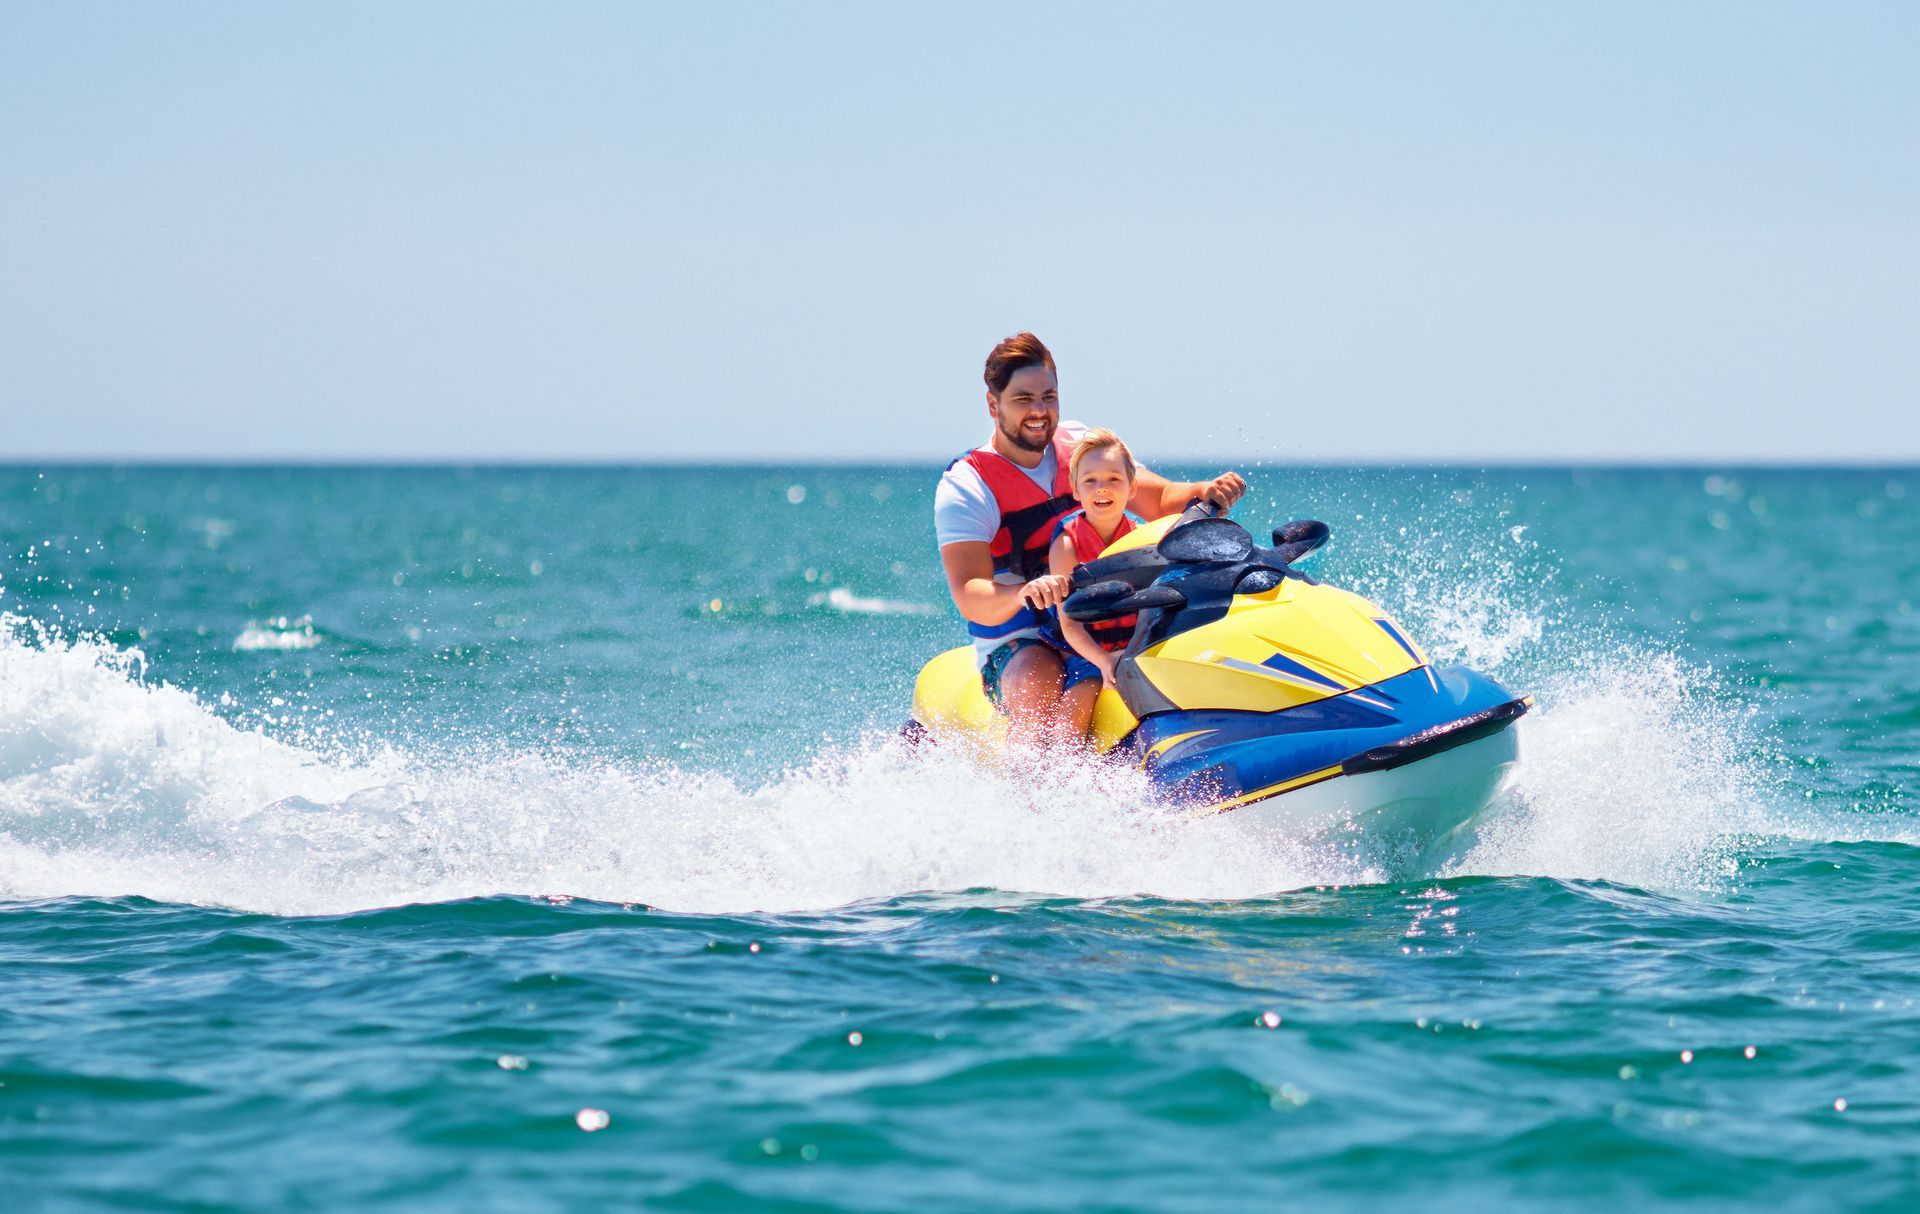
1840, 1105
770, 1146
809, 1152
796, 494
854, 1038
512, 1062
592, 1119
1686, 1056
1628, 1072
754, 947
1749, 1051
1270, 1019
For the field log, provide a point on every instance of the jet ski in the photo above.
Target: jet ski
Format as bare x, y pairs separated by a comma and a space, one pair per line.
1250, 687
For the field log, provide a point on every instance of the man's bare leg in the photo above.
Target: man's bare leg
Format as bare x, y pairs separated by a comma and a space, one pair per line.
1030, 692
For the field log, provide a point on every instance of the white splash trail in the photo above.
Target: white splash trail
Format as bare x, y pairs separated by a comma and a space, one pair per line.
109, 786
112, 786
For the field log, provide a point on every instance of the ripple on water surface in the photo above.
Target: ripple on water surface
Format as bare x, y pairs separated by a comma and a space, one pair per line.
1590, 1039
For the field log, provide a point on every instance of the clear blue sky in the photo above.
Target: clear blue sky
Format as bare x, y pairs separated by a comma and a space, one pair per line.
1462, 232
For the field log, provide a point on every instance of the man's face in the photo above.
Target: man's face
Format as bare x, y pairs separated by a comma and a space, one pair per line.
1027, 410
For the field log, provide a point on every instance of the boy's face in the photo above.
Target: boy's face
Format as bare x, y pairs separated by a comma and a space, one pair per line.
1102, 484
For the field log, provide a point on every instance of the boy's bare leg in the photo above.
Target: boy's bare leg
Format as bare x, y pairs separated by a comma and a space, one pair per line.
1030, 691
1076, 711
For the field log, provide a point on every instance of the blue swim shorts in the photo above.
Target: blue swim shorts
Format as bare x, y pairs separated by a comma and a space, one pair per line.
1079, 670
997, 665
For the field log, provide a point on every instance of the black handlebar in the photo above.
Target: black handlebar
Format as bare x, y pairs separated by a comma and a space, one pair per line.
1203, 560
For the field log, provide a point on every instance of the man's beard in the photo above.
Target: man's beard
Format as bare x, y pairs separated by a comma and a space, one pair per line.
1018, 437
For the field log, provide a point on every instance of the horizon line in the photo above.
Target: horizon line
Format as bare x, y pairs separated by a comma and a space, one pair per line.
457, 462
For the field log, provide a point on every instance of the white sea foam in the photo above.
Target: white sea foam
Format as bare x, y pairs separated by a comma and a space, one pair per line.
1632, 771
1634, 767
280, 633
842, 599
110, 785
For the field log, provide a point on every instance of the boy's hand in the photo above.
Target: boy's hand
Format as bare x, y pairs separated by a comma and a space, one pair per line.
1105, 666
1047, 590
1224, 490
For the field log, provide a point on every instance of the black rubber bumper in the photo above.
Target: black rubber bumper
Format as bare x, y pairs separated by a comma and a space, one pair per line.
1429, 742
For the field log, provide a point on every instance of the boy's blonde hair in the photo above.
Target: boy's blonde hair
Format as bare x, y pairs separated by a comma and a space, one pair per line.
1097, 440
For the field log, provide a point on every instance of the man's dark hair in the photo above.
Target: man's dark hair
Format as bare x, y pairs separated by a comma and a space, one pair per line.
1020, 351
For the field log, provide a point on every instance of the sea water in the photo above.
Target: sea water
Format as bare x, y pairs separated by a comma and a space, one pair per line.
514, 838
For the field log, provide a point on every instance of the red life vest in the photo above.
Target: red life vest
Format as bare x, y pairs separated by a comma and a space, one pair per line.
1111, 635
1087, 544
1027, 513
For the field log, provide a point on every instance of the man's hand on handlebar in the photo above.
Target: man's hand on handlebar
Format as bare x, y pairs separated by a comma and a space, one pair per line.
1047, 590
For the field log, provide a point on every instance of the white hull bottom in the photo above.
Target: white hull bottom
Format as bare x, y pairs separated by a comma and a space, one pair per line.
1416, 808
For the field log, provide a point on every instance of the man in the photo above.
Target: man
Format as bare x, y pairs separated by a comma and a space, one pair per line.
994, 515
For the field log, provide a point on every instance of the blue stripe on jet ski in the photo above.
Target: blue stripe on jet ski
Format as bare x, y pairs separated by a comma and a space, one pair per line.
1399, 640
1287, 666
1240, 752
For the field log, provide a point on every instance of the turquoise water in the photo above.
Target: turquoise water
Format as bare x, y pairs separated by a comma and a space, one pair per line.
367, 833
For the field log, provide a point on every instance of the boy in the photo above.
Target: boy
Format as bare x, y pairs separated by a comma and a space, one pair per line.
1102, 473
